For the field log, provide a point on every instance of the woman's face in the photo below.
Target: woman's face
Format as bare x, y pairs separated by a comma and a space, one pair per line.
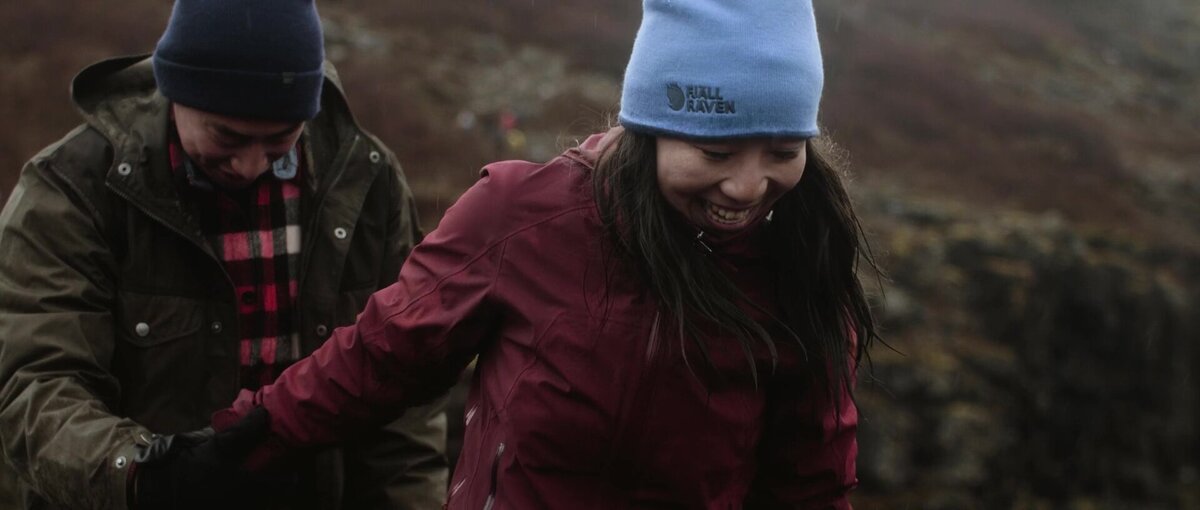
725, 186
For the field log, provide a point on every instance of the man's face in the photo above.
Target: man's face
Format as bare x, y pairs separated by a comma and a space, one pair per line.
233, 152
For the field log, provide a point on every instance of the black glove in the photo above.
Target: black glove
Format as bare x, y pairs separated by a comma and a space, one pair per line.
203, 470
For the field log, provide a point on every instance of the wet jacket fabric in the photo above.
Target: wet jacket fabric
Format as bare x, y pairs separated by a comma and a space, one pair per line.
574, 404
117, 321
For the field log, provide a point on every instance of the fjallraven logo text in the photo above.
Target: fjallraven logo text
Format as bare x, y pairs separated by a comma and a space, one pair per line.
699, 99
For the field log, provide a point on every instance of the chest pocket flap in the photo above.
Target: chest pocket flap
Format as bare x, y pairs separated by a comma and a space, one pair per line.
147, 320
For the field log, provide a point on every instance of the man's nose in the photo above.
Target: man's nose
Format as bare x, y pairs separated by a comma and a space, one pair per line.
250, 162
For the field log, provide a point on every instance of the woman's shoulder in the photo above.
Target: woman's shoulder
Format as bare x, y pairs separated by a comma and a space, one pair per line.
524, 179
514, 196
565, 181
539, 188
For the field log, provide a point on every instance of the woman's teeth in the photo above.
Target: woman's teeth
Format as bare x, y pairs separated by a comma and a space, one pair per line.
727, 216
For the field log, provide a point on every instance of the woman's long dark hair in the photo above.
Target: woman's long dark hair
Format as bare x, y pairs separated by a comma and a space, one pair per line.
814, 246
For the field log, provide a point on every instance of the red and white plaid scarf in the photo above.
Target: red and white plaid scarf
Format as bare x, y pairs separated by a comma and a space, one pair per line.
255, 232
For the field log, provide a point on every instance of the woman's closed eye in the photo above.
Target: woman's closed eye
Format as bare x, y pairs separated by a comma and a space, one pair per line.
715, 153
717, 156
786, 155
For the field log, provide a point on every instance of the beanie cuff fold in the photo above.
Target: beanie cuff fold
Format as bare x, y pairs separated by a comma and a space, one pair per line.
280, 96
697, 132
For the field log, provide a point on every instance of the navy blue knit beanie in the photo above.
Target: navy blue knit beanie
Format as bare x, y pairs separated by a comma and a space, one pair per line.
257, 59
724, 69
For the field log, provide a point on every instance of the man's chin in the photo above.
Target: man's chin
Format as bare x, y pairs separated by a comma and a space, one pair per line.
229, 185
234, 186
227, 182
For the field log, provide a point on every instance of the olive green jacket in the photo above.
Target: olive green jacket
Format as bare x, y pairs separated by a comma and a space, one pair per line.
95, 240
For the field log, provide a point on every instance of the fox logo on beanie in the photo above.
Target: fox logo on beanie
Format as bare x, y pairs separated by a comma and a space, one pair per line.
260, 59
724, 69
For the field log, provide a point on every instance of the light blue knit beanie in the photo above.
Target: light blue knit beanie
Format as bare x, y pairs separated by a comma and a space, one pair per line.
724, 69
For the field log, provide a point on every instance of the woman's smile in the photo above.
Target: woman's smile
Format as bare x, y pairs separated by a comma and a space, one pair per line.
725, 218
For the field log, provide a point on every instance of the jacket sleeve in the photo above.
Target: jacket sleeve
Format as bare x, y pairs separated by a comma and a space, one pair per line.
410, 343
808, 449
56, 344
402, 464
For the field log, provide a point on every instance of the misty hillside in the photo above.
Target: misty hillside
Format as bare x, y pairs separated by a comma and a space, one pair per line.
1029, 173
1085, 108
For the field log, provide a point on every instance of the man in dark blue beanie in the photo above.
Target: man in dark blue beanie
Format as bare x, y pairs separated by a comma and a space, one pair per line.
217, 215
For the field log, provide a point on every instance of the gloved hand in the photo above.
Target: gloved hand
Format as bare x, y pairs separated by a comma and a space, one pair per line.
205, 469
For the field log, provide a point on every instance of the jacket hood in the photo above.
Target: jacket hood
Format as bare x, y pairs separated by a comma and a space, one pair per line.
120, 98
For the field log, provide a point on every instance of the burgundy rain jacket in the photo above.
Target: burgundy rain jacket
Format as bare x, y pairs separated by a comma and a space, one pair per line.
572, 405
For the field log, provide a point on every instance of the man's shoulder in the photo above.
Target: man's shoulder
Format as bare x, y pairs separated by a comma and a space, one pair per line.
76, 164
83, 154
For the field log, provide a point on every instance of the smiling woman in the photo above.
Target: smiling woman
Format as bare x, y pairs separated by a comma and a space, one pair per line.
778, 198
666, 316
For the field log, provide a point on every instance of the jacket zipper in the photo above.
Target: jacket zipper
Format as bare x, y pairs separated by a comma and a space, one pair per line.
491, 499
207, 250
628, 431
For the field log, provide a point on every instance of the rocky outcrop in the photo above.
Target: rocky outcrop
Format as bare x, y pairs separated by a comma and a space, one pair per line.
1034, 366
